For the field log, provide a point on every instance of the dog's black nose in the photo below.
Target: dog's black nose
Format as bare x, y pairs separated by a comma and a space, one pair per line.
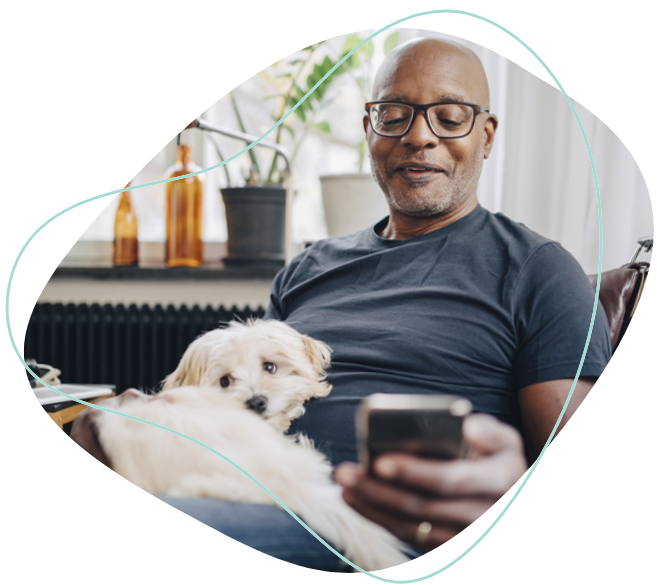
257, 403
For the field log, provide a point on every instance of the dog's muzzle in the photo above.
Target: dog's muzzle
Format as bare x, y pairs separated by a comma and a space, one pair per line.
257, 403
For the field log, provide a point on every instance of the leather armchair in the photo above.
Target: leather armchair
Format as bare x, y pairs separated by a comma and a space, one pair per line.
620, 291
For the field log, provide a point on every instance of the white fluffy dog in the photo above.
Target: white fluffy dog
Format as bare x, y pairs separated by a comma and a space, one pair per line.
236, 390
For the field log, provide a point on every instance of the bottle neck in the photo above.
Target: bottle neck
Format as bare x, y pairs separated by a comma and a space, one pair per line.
125, 196
184, 155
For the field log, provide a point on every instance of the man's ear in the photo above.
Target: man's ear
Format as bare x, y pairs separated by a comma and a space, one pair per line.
366, 122
490, 127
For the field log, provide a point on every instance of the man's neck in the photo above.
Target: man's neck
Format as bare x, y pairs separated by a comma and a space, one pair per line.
403, 227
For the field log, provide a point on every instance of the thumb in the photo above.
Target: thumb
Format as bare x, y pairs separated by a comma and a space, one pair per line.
485, 435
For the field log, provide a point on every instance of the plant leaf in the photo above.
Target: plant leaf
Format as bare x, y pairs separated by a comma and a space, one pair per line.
323, 126
365, 52
367, 49
351, 43
326, 65
298, 93
299, 111
391, 42
285, 126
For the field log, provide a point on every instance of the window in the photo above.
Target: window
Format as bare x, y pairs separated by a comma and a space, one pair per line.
315, 151
545, 183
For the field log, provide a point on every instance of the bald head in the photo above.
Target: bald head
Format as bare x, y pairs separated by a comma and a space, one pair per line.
428, 60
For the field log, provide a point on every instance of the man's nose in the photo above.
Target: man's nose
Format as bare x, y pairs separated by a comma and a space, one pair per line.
420, 134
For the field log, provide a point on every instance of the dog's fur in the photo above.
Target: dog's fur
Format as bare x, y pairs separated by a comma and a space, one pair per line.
239, 352
193, 402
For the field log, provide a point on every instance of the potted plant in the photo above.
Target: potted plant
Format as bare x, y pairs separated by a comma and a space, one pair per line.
353, 201
256, 212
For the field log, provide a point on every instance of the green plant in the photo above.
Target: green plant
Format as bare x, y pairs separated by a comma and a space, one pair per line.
360, 68
291, 79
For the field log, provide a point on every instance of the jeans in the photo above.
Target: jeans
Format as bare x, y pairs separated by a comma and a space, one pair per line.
269, 529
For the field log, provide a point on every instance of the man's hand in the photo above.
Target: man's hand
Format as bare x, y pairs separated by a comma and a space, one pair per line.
426, 502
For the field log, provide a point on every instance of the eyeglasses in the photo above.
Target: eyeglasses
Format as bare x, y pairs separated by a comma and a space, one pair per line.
446, 119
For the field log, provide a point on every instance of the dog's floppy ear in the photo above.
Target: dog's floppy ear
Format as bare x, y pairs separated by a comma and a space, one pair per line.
319, 355
190, 369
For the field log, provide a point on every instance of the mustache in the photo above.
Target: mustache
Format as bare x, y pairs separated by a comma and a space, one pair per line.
419, 161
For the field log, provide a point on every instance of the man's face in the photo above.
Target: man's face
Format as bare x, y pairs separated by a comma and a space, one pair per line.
420, 174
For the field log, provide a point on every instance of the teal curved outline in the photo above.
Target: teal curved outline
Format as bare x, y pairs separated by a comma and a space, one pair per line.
579, 369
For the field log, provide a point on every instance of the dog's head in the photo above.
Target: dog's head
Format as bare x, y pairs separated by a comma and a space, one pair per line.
267, 365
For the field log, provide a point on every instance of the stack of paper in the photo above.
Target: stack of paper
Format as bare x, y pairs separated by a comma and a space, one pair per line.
46, 396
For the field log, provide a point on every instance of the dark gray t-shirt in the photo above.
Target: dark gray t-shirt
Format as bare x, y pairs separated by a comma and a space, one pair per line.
480, 308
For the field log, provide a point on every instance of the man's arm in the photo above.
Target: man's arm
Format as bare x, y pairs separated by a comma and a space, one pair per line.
540, 406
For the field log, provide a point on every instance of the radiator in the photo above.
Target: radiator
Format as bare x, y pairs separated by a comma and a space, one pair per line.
123, 346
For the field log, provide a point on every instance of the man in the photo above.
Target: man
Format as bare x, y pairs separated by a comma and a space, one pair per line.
442, 296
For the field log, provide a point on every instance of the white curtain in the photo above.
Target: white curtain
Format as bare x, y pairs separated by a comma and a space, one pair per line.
548, 182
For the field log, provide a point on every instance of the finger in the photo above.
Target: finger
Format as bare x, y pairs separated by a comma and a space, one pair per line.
348, 474
485, 435
489, 477
416, 507
403, 528
382, 516
454, 512
389, 496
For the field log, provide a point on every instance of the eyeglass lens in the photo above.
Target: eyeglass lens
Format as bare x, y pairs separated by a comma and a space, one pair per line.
446, 120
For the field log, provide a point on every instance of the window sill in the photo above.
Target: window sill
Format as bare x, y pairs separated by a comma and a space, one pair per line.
92, 260
210, 271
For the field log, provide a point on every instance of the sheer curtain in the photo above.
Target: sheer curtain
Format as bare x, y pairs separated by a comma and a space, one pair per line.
539, 171
548, 182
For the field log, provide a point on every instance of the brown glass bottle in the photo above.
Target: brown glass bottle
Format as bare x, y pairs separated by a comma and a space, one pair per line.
184, 213
125, 251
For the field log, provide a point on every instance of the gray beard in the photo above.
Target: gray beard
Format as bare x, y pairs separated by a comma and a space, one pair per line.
420, 207
431, 205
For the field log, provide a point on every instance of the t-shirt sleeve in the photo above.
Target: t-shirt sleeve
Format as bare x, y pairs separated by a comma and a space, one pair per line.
553, 305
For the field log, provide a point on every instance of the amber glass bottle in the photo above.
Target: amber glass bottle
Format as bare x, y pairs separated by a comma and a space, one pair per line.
125, 251
184, 213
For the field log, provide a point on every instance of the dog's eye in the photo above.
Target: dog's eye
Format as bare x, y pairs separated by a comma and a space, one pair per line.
224, 381
269, 367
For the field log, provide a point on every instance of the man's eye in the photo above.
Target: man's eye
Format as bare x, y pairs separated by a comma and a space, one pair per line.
269, 367
224, 381
395, 122
449, 123
393, 117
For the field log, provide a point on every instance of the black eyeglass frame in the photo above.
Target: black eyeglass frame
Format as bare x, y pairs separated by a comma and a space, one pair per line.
478, 109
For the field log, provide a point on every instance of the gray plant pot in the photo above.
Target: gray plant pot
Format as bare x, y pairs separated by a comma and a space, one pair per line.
255, 218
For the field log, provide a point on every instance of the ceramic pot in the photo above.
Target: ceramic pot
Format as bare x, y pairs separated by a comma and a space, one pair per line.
352, 202
255, 218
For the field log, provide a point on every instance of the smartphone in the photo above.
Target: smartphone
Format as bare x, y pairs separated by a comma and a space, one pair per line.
424, 425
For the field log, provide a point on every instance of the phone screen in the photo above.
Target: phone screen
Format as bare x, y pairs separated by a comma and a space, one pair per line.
436, 434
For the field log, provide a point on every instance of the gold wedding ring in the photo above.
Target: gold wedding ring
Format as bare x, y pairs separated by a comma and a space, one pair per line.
422, 532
